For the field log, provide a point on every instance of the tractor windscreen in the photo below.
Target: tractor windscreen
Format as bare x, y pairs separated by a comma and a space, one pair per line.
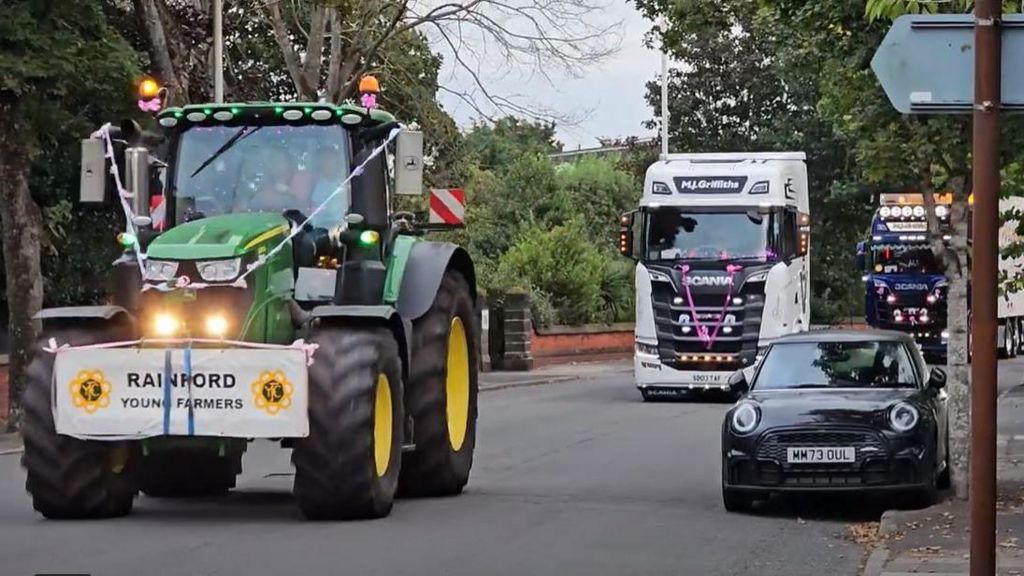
261, 168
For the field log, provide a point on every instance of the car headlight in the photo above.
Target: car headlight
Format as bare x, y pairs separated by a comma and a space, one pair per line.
160, 270
903, 417
219, 270
745, 418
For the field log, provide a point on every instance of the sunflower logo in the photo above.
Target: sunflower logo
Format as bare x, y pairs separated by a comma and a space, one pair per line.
90, 391
272, 392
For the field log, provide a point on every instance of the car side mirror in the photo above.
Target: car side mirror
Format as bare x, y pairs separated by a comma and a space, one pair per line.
937, 378
738, 382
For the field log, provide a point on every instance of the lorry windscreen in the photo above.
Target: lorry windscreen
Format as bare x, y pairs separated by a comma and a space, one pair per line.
896, 258
674, 233
261, 168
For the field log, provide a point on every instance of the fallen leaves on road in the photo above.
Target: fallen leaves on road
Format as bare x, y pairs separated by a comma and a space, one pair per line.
1008, 543
925, 550
864, 533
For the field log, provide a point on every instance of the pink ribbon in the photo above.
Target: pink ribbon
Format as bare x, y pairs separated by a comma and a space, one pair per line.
706, 336
150, 106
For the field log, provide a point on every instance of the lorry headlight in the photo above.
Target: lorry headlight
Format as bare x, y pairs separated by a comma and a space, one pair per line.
165, 324
219, 270
903, 417
217, 325
745, 418
160, 270
660, 188
646, 348
758, 277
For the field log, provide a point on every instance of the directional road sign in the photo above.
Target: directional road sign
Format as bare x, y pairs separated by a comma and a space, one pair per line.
926, 64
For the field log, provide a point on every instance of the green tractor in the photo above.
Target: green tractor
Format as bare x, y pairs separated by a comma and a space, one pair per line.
268, 290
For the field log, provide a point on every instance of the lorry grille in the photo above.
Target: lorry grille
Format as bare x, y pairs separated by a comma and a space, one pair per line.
741, 343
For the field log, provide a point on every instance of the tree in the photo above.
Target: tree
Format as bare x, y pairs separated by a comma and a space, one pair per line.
59, 63
931, 154
327, 45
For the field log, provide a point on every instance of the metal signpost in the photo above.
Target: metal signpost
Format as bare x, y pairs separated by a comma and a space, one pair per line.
926, 65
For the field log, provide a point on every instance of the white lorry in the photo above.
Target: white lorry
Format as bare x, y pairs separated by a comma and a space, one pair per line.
721, 243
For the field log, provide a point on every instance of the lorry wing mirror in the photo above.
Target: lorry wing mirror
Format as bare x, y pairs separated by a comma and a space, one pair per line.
738, 382
409, 163
92, 186
626, 239
860, 255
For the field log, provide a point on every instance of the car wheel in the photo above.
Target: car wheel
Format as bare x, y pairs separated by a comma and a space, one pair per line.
736, 501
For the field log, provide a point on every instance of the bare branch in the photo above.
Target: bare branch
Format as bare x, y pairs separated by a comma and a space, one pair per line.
315, 47
291, 58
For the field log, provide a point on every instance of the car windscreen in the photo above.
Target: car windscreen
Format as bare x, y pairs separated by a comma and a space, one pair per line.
866, 364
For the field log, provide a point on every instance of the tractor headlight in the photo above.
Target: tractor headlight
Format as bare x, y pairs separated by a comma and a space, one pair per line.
219, 270
166, 325
903, 417
160, 270
217, 325
745, 418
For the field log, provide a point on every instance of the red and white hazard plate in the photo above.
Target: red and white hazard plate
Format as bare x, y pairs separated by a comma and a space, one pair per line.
447, 206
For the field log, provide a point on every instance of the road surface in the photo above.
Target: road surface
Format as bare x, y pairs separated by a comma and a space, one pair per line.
573, 478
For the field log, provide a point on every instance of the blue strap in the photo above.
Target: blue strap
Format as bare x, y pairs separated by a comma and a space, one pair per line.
167, 392
188, 376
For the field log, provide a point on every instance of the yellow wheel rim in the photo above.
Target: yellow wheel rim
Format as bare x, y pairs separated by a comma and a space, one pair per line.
457, 384
382, 425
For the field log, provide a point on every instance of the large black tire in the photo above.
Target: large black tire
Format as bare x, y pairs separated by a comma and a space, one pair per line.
66, 477
338, 474
182, 472
441, 462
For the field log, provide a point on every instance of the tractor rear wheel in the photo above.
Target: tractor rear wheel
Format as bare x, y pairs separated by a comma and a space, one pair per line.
442, 393
67, 477
182, 472
348, 466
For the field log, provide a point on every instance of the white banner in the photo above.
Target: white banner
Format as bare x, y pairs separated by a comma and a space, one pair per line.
123, 392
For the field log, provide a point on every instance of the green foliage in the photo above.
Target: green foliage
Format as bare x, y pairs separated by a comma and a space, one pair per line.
64, 70
572, 280
494, 146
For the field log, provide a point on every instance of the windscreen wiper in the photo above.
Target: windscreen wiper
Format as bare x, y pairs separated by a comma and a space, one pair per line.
244, 132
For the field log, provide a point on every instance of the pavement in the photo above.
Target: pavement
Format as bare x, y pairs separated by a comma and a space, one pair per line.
936, 540
579, 477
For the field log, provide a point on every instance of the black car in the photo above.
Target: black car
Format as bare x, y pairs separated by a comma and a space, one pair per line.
837, 411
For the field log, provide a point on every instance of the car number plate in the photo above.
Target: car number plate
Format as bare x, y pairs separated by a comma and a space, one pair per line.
816, 455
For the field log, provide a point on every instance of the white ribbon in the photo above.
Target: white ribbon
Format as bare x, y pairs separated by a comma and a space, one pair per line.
123, 194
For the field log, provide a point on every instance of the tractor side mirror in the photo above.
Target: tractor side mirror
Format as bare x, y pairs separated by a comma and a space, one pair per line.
860, 255
409, 163
937, 378
738, 382
92, 188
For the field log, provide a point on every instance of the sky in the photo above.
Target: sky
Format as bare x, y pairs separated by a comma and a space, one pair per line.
612, 92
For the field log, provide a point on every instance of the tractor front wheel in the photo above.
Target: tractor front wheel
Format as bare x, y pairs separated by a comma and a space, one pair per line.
442, 393
67, 477
348, 466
